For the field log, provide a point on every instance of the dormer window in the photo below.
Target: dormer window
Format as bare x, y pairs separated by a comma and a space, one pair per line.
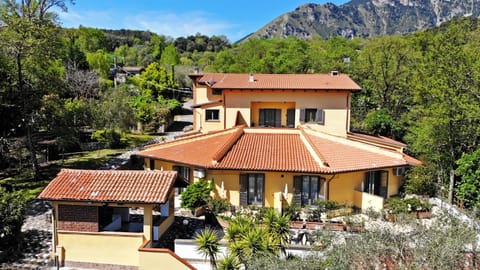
312, 115
216, 92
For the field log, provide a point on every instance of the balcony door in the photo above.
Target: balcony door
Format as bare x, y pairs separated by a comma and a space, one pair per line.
270, 117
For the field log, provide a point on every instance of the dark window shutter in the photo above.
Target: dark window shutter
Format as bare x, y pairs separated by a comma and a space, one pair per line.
290, 118
262, 177
297, 190
302, 115
152, 164
384, 184
320, 116
278, 117
243, 189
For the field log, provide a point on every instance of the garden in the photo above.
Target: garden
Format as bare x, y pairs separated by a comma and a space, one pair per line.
330, 235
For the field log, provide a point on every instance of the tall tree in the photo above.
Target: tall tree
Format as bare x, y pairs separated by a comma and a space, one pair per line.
446, 116
29, 34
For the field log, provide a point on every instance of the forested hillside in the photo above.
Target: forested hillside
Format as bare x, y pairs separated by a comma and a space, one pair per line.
423, 89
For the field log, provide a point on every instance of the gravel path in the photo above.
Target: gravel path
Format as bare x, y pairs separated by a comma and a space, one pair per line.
37, 239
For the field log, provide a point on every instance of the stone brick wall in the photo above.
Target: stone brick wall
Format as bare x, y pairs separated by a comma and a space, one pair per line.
78, 218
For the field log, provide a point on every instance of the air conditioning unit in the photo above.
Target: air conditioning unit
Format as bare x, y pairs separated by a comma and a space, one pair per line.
199, 173
399, 171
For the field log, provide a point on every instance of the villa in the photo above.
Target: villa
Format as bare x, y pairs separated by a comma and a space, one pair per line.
279, 139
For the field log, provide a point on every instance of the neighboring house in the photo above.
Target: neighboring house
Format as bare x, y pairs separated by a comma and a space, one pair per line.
278, 139
108, 219
121, 73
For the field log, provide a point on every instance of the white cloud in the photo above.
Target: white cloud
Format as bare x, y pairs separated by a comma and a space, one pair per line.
96, 19
177, 25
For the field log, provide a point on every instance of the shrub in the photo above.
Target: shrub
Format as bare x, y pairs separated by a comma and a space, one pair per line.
12, 216
112, 138
218, 206
197, 194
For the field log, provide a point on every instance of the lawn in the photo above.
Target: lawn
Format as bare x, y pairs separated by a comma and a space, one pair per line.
23, 180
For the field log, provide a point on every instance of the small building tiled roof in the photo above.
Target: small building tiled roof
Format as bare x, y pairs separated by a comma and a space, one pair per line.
288, 150
279, 81
124, 186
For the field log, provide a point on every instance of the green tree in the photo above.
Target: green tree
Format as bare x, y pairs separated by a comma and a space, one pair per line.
208, 243
91, 40
445, 117
468, 187
31, 37
197, 194
170, 56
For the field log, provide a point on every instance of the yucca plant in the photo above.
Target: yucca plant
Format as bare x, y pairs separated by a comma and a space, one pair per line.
229, 262
208, 242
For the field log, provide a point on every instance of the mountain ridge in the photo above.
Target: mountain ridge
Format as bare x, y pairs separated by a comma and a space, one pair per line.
365, 18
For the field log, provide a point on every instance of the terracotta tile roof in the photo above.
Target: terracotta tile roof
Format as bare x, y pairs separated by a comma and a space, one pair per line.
344, 155
279, 81
197, 150
288, 150
132, 186
269, 152
375, 138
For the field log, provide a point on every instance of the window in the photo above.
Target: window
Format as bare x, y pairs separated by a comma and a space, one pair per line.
183, 172
212, 115
252, 189
270, 117
308, 189
376, 183
312, 115
216, 92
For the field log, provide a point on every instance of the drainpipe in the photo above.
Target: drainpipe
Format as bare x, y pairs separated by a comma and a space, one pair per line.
328, 186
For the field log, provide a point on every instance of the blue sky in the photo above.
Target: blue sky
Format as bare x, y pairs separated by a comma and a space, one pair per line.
175, 18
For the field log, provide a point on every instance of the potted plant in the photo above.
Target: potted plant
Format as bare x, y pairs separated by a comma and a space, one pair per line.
354, 225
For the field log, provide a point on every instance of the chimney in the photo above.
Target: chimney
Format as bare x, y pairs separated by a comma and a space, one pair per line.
251, 78
334, 73
195, 70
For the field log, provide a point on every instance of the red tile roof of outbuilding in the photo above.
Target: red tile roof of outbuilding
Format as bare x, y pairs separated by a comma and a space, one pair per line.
129, 186
279, 81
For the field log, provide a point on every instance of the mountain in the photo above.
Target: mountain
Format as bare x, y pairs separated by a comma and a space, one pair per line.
364, 18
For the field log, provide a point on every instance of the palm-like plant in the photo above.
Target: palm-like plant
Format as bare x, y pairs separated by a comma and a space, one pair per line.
229, 262
277, 226
208, 242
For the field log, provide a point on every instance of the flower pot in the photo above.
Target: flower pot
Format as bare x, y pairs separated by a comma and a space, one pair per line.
200, 211
355, 228
334, 226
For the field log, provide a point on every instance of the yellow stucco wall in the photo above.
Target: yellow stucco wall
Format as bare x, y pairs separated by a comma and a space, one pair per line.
335, 105
341, 187
394, 183
210, 125
104, 247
